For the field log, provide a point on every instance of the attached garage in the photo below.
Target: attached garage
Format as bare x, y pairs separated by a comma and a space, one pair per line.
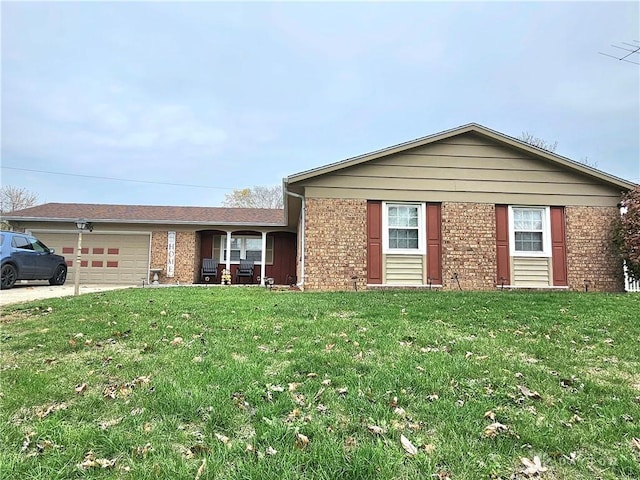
121, 259
129, 244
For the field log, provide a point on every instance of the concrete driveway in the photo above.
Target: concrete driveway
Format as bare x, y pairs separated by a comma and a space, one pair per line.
34, 290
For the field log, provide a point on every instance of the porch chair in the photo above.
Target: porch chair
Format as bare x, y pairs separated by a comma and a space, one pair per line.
209, 271
245, 269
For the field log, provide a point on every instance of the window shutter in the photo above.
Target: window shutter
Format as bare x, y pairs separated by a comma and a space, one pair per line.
434, 243
374, 242
558, 247
502, 245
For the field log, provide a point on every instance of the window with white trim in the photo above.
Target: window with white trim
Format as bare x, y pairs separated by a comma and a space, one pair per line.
246, 247
529, 231
403, 228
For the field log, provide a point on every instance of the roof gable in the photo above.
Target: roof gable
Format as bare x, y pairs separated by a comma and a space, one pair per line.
485, 132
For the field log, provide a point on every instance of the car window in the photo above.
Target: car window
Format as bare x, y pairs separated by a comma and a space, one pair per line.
22, 242
38, 246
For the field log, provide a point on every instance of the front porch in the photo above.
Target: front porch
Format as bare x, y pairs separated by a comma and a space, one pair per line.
273, 253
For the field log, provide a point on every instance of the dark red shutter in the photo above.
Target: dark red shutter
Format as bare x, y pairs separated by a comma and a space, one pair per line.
434, 243
502, 245
374, 242
558, 247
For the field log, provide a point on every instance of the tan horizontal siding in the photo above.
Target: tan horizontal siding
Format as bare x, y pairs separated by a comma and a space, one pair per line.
453, 185
519, 198
404, 269
531, 271
466, 168
476, 173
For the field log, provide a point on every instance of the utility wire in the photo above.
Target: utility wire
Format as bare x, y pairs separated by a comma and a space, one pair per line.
115, 179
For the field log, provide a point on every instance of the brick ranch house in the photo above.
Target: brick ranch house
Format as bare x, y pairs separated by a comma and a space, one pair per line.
466, 208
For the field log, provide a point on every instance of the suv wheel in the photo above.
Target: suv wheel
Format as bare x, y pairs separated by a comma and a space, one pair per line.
59, 276
9, 276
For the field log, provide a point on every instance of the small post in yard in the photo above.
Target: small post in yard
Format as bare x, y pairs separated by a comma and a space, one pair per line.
81, 224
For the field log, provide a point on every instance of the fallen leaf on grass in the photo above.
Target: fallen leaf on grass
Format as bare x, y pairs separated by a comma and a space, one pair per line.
635, 443
529, 393
428, 448
490, 415
177, 341
42, 412
90, 461
271, 451
400, 412
223, 438
27, 441
408, 446
201, 469
143, 451
343, 391
443, 475
375, 429
80, 389
301, 440
110, 423
532, 467
494, 429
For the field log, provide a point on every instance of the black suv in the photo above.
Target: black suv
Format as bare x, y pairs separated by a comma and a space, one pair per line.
26, 258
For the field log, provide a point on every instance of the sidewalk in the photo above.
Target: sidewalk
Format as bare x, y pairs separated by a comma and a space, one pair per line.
36, 290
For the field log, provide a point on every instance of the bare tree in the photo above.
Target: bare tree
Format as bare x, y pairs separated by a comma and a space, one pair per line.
256, 197
16, 198
531, 139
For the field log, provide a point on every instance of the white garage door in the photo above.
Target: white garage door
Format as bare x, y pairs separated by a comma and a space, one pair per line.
106, 258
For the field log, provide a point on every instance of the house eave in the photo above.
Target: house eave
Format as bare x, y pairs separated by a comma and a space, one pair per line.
144, 222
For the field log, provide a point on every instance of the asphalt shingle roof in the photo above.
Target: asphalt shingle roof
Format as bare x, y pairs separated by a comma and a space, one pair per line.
149, 214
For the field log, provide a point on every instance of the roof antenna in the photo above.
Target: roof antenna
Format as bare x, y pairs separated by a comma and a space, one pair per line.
633, 49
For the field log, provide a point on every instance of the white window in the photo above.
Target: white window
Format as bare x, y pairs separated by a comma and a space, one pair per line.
529, 231
403, 228
246, 247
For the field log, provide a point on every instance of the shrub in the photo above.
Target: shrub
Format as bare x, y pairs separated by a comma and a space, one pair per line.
627, 233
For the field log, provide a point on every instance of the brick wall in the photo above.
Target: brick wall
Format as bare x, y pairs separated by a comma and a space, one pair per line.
590, 254
469, 245
335, 243
186, 258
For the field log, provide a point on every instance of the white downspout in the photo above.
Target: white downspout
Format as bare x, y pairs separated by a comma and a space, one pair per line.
302, 219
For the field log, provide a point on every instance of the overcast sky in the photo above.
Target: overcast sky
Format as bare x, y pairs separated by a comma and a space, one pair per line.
231, 95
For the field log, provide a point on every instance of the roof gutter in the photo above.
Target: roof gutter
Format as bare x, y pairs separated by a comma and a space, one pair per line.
302, 225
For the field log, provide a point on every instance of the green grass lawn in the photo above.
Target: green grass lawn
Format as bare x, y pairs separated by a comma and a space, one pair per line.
245, 383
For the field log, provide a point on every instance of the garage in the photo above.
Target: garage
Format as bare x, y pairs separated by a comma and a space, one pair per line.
121, 259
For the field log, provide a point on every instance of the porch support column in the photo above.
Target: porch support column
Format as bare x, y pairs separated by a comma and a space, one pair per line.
263, 259
228, 252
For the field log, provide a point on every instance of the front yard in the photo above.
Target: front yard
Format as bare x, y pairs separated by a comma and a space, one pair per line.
245, 383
